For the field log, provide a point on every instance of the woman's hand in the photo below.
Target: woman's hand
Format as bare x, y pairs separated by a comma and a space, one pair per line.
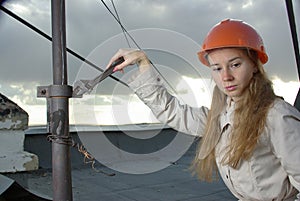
131, 57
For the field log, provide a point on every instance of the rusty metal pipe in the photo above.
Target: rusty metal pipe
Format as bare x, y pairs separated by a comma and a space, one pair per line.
59, 107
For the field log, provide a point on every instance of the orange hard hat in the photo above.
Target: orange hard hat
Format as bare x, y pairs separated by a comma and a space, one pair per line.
232, 33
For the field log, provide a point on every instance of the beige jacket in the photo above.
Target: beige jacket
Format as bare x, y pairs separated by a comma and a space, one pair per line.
273, 172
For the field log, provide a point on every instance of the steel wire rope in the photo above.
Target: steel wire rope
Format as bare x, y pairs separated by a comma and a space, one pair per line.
116, 12
293, 29
125, 32
40, 32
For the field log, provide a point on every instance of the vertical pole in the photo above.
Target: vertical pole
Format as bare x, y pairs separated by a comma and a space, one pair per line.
292, 21
59, 107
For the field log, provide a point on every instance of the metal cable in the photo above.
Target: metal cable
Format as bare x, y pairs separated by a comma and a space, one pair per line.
116, 17
116, 12
88, 157
35, 29
290, 12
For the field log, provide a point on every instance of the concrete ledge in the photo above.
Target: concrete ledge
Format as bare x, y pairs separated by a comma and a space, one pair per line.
18, 161
13, 122
13, 158
11, 141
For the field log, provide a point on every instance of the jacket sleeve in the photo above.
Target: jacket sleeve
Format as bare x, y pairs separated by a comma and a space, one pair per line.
285, 139
149, 87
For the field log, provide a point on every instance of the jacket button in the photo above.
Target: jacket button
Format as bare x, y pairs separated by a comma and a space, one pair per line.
227, 176
158, 79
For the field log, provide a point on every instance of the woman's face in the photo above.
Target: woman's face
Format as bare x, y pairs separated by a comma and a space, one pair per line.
232, 70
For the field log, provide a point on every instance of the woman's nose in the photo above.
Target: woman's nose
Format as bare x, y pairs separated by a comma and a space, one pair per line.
227, 75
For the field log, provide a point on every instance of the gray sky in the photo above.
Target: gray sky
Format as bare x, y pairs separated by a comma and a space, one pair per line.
25, 57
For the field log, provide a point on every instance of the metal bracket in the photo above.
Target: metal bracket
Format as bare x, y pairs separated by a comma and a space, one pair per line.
54, 91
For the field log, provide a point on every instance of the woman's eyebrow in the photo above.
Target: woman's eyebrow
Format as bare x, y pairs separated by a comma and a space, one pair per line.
230, 60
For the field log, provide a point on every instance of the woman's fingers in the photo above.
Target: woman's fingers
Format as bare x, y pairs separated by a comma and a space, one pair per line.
131, 57
114, 58
122, 65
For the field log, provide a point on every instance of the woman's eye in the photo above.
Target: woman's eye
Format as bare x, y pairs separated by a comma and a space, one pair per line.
235, 65
217, 68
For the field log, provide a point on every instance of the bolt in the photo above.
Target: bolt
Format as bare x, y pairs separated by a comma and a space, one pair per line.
43, 92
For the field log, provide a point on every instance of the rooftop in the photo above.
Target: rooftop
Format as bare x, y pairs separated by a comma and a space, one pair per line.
174, 182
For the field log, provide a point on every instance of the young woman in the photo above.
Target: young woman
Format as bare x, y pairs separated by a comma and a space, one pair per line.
249, 135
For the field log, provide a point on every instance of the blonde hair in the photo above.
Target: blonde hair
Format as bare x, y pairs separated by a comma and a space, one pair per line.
248, 124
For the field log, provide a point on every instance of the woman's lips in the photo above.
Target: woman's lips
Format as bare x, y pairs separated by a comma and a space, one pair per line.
231, 88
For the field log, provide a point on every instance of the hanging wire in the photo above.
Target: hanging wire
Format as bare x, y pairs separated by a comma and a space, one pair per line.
87, 157
121, 25
118, 17
40, 32
291, 17
126, 33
